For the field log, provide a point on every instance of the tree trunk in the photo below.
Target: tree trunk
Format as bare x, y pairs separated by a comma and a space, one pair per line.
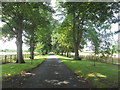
77, 33
19, 47
75, 40
67, 54
94, 61
112, 59
46, 52
76, 52
31, 51
32, 46
61, 53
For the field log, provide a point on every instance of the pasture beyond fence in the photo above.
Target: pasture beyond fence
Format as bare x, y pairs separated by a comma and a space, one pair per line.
106, 59
11, 58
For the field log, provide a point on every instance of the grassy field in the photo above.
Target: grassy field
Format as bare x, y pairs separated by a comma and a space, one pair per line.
110, 60
12, 69
99, 76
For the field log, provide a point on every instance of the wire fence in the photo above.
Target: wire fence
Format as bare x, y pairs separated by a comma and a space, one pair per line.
103, 59
12, 58
106, 59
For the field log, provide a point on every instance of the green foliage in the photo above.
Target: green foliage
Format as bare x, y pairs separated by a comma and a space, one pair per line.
44, 33
62, 38
82, 22
44, 38
88, 21
114, 49
25, 18
39, 47
6, 33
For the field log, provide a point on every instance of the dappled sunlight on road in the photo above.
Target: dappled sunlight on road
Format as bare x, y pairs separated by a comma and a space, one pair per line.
28, 73
57, 82
81, 80
56, 73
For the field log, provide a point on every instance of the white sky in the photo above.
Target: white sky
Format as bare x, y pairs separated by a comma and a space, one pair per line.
11, 44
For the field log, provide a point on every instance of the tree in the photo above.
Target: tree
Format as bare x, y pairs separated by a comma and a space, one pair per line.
62, 35
15, 15
44, 37
41, 21
44, 33
82, 13
30, 39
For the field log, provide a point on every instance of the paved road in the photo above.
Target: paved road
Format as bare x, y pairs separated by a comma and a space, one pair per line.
53, 74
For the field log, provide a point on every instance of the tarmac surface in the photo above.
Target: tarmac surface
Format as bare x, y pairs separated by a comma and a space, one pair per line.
52, 73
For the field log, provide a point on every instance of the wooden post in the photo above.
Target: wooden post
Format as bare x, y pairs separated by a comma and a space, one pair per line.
10, 58
24, 56
99, 58
14, 57
5, 58
112, 59
2, 59
94, 60
31, 61
96, 57
85, 57
92, 57
107, 59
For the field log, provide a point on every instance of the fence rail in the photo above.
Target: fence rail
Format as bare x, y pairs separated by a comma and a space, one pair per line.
11, 58
107, 59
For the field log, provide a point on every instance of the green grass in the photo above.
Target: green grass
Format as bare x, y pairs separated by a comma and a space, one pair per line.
12, 69
99, 76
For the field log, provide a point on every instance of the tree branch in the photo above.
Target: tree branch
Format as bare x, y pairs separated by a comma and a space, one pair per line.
11, 28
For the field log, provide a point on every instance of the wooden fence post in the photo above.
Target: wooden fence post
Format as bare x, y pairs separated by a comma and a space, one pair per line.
10, 58
23, 56
2, 59
15, 57
5, 58
107, 59
112, 59
92, 57
94, 60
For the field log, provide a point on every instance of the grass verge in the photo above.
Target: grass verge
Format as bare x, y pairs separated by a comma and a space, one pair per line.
99, 76
11, 69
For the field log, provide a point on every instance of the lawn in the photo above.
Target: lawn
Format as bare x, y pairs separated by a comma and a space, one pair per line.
12, 69
99, 76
